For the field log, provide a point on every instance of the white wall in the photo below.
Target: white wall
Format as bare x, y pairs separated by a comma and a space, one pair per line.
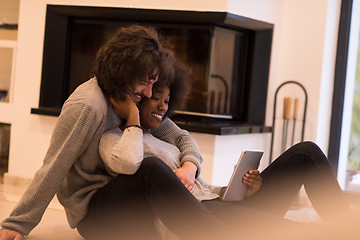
304, 47
307, 55
298, 53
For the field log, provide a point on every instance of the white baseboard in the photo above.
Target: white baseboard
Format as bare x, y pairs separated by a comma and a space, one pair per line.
16, 181
15, 186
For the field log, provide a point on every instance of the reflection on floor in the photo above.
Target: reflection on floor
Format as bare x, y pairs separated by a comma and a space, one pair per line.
55, 227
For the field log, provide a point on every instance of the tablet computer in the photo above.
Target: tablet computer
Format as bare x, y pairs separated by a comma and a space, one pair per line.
236, 189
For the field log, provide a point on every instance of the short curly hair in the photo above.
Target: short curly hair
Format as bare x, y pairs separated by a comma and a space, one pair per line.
179, 87
133, 53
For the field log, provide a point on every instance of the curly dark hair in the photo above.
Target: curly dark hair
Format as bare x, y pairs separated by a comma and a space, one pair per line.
179, 87
133, 53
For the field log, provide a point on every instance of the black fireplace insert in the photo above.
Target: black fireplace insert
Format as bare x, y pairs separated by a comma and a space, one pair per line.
229, 56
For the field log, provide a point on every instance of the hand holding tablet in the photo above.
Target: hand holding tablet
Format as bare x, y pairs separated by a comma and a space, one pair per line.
236, 189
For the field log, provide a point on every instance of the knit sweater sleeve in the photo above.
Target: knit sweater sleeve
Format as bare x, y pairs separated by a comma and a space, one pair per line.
213, 188
73, 131
169, 132
122, 152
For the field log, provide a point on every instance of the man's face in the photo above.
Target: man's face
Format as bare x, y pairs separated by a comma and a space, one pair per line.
143, 87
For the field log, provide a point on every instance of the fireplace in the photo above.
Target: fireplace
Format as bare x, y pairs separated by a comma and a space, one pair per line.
229, 56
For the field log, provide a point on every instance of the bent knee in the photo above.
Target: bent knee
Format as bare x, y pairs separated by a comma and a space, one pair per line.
154, 170
308, 149
307, 146
153, 163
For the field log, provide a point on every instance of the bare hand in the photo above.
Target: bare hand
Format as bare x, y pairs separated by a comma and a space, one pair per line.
253, 181
186, 173
126, 109
7, 234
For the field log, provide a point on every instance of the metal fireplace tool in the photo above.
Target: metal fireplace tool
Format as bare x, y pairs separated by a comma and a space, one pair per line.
286, 118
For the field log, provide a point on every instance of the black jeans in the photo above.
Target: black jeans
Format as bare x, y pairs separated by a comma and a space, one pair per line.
125, 208
303, 164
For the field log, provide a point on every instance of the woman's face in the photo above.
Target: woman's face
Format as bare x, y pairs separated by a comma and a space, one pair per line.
152, 110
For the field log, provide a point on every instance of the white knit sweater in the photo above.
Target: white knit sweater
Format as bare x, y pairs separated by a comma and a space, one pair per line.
123, 152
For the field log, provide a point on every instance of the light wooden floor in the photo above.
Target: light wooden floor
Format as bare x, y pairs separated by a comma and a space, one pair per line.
54, 225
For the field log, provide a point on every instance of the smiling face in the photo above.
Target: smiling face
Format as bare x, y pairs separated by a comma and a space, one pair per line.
152, 110
143, 87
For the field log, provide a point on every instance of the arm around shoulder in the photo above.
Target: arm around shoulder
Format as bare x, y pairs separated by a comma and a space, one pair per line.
168, 131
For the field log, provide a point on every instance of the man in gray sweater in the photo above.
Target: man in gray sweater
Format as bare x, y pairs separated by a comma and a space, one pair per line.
126, 66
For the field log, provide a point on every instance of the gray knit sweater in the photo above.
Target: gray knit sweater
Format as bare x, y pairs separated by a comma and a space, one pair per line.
72, 166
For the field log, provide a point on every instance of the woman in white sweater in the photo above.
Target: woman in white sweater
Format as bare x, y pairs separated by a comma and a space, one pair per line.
268, 197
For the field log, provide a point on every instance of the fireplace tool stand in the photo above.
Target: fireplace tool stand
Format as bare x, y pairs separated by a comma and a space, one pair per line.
286, 118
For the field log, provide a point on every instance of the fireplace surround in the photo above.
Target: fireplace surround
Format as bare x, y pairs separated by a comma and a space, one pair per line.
229, 56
